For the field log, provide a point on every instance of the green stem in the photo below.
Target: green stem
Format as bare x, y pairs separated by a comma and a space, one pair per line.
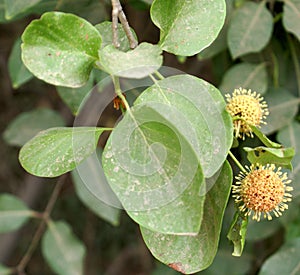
295, 61
237, 162
159, 75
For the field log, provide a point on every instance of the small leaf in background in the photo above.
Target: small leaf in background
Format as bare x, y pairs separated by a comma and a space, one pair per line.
26, 125
284, 261
250, 29
56, 151
15, 7
5, 270
47, 55
13, 213
237, 233
261, 230
188, 27
137, 63
291, 17
289, 136
281, 157
74, 98
93, 190
190, 254
247, 76
282, 107
105, 30
63, 251
19, 74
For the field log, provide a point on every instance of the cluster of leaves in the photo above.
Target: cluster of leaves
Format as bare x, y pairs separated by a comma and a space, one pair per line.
166, 159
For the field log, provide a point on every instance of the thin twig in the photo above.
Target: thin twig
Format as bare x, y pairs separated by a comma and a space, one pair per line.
117, 12
41, 228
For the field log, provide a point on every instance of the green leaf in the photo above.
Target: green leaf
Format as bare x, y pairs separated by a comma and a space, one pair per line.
56, 151
189, 254
264, 155
250, 29
151, 159
105, 30
61, 48
261, 230
188, 27
63, 251
264, 139
13, 213
247, 76
17, 71
26, 125
291, 17
282, 107
5, 270
237, 233
93, 190
138, 63
15, 7
284, 261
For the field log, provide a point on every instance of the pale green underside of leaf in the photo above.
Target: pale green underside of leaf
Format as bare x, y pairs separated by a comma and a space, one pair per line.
250, 29
187, 27
15, 7
5, 270
138, 63
26, 125
93, 190
247, 76
18, 73
190, 254
56, 151
58, 56
282, 107
13, 213
291, 17
284, 261
62, 249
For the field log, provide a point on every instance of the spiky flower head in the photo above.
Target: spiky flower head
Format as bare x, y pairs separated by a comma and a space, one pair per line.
247, 109
262, 190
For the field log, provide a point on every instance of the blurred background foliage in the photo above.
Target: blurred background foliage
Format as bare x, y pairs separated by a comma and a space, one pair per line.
267, 62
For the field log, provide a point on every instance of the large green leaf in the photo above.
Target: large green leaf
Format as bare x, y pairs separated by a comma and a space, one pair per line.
188, 27
15, 7
189, 254
138, 63
247, 76
284, 261
61, 48
282, 107
56, 151
26, 125
151, 159
93, 190
250, 29
19, 74
105, 30
63, 251
291, 16
13, 213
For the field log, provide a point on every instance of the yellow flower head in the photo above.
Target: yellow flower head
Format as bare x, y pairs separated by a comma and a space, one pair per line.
262, 190
248, 109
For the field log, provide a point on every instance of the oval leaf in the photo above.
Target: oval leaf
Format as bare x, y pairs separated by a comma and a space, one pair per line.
284, 261
282, 107
247, 76
13, 213
188, 27
62, 249
190, 254
291, 17
250, 29
138, 63
56, 151
26, 125
61, 48
19, 74
93, 190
